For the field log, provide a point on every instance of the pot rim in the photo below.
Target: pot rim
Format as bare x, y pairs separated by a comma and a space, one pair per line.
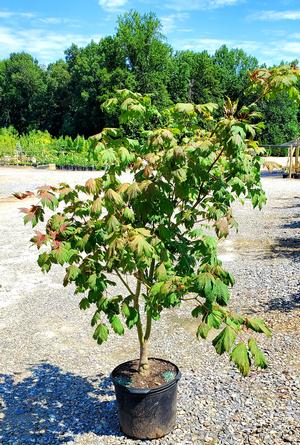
135, 390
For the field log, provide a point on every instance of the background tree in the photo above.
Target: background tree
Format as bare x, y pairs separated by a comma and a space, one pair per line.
66, 97
145, 53
57, 97
23, 91
281, 114
232, 68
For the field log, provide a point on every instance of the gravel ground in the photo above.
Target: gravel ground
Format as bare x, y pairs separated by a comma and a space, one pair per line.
55, 385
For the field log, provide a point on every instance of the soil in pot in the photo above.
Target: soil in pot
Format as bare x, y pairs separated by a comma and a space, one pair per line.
161, 372
146, 404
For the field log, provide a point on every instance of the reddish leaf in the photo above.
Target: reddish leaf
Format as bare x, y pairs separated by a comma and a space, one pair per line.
23, 195
33, 214
47, 198
39, 239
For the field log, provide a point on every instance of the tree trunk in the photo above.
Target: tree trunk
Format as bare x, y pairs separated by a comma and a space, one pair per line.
144, 358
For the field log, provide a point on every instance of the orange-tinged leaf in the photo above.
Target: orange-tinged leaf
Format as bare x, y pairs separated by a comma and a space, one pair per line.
91, 185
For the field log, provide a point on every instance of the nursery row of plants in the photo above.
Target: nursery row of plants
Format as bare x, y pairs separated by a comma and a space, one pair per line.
39, 147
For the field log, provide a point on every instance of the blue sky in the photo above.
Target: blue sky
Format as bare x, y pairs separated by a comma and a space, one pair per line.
45, 28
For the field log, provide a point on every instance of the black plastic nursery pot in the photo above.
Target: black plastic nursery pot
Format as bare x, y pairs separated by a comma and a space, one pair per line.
146, 413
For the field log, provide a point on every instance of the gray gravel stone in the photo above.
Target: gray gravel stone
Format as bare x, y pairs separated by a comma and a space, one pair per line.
55, 385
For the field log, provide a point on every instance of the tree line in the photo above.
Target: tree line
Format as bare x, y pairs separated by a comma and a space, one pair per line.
65, 97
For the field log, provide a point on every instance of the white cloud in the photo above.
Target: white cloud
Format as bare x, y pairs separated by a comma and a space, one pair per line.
194, 5
170, 22
6, 14
11, 14
291, 47
112, 5
276, 15
211, 45
273, 52
57, 21
46, 46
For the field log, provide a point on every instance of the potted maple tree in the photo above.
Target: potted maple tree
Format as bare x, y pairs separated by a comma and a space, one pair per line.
157, 231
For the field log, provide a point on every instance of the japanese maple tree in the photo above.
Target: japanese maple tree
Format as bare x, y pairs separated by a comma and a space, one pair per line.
160, 227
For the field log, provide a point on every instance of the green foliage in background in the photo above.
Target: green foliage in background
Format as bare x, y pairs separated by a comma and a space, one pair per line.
65, 98
39, 147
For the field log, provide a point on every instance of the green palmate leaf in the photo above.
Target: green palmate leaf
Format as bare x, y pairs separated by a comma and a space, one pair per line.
95, 319
180, 174
224, 341
214, 319
116, 325
203, 330
220, 292
207, 108
101, 333
44, 262
112, 223
71, 275
241, 359
161, 272
125, 155
92, 281
132, 317
107, 157
140, 246
156, 288
129, 214
110, 104
84, 304
258, 325
133, 191
259, 358
62, 252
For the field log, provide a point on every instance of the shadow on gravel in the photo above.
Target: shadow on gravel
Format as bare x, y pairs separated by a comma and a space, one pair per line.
287, 248
285, 305
51, 407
